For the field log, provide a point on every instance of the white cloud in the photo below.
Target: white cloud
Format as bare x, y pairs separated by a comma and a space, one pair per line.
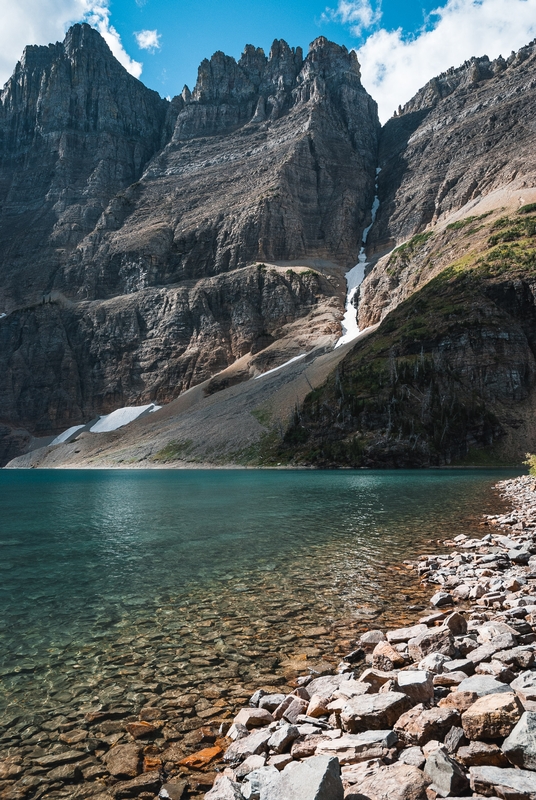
148, 40
359, 14
44, 21
394, 67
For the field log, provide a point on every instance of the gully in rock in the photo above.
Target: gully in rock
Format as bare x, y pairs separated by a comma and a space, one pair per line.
355, 277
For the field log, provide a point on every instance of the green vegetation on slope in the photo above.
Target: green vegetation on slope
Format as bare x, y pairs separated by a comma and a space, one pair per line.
432, 384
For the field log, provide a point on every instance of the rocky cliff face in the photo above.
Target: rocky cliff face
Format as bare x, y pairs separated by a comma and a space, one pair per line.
130, 227
75, 128
466, 134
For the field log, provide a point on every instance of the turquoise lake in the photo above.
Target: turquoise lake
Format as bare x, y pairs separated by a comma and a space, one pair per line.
112, 578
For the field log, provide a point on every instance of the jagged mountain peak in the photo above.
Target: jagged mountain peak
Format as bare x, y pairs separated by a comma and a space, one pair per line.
470, 73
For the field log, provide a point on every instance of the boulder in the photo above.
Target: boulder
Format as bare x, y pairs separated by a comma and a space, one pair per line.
433, 662
317, 778
271, 701
401, 635
375, 678
492, 630
456, 623
352, 748
460, 665
295, 710
417, 684
318, 705
370, 639
506, 783
434, 640
520, 746
486, 651
413, 756
461, 701
377, 782
446, 776
483, 684
252, 745
481, 754
373, 711
225, 789
258, 782
419, 725
525, 686
441, 599
325, 685
249, 765
283, 738
492, 716
385, 657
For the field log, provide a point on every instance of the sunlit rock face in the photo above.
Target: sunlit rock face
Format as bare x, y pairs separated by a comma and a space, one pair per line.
131, 227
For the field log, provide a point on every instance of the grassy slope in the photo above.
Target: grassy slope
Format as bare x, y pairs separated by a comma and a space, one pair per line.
449, 375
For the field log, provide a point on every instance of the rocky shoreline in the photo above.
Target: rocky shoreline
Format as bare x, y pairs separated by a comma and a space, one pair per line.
444, 708
393, 720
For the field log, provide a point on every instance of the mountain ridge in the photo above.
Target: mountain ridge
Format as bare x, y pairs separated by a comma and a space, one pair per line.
231, 245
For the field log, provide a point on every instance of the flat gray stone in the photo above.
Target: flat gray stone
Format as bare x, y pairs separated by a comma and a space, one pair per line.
520, 746
417, 684
483, 684
283, 738
503, 782
352, 748
446, 775
525, 685
316, 778
225, 789
373, 711
252, 745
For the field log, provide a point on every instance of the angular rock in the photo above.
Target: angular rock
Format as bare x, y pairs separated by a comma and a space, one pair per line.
441, 599
520, 746
376, 678
386, 658
253, 717
435, 640
67, 773
492, 716
413, 756
352, 748
446, 776
401, 635
271, 701
417, 684
481, 754
249, 765
317, 778
377, 782
419, 725
456, 623
461, 701
373, 712
283, 738
258, 782
173, 789
123, 760
202, 758
295, 710
433, 662
317, 706
510, 784
525, 686
252, 745
370, 639
225, 789
483, 684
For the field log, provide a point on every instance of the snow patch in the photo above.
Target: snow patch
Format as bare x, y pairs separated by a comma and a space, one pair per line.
122, 416
65, 435
281, 366
354, 279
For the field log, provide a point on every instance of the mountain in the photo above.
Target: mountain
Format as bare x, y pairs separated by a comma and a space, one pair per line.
220, 254
146, 245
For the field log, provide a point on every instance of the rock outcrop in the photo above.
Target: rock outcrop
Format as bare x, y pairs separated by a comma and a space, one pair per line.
132, 227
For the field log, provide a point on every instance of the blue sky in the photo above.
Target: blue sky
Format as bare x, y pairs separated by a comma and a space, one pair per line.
400, 45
